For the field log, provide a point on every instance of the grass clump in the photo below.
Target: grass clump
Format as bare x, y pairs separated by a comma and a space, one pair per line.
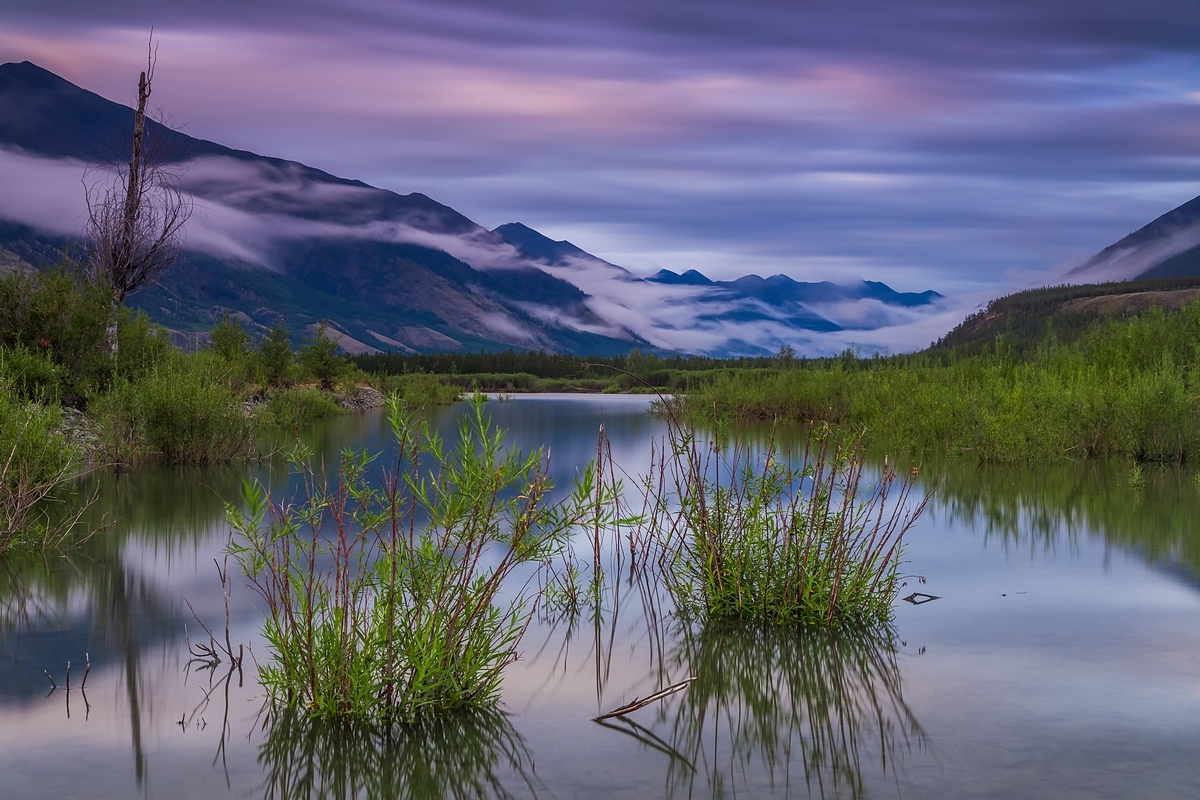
35, 463
383, 600
419, 390
740, 537
297, 408
179, 411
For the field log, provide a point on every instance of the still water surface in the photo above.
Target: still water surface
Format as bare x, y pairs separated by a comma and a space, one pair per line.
1061, 660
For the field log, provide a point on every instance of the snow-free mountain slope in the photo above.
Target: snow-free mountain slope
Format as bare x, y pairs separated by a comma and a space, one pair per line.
272, 239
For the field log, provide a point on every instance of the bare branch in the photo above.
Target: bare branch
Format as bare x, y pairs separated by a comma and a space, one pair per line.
135, 218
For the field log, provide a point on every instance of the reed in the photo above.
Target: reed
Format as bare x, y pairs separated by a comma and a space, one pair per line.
383, 598
759, 536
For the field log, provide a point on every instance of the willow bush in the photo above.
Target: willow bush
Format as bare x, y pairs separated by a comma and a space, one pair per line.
35, 463
383, 598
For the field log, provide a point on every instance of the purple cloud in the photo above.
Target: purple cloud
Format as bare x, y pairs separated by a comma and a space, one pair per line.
961, 145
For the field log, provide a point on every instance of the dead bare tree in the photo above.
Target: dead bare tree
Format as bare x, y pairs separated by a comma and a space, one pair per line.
136, 217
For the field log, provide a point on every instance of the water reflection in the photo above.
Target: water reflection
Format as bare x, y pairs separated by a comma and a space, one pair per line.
770, 708
1035, 509
472, 755
106, 601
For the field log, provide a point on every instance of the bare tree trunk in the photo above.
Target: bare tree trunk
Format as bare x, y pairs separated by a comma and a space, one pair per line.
135, 223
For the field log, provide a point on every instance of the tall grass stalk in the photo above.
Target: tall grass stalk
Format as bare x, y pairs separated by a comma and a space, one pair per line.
384, 597
761, 537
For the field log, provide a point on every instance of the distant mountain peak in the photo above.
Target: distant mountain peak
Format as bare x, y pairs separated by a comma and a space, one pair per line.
689, 278
397, 270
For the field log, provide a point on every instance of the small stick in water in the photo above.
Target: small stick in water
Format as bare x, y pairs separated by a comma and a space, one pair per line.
68, 675
86, 670
52, 683
636, 704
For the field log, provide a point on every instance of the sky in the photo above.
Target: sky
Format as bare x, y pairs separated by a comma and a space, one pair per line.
968, 146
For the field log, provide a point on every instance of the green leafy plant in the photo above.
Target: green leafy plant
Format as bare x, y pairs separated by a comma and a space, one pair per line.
319, 359
36, 462
383, 600
181, 411
275, 356
740, 535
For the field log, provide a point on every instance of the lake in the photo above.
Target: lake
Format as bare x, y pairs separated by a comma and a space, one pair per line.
1060, 659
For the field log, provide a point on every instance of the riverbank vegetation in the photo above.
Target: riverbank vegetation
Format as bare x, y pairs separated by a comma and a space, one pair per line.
70, 400
1126, 388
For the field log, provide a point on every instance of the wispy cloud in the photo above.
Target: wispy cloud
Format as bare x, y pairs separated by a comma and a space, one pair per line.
929, 144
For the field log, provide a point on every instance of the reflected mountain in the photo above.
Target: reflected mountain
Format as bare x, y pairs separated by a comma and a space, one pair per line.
770, 708
472, 755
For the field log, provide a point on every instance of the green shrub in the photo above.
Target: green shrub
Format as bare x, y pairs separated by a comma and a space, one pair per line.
230, 340
141, 344
30, 375
296, 409
383, 602
275, 356
57, 314
319, 359
756, 538
35, 462
423, 390
181, 412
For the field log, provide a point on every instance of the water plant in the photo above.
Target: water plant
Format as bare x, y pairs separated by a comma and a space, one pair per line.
1137, 476
385, 592
740, 534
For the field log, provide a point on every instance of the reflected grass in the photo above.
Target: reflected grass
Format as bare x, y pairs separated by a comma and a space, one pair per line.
774, 707
462, 755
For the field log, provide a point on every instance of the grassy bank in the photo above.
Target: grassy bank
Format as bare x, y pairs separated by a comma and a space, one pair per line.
144, 400
1126, 388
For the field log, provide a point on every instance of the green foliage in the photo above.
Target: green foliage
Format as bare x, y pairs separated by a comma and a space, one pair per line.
1019, 320
383, 600
295, 409
319, 359
57, 315
180, 411
1128, 389
275, 356
141, 344
229, 339
763, 539
35, 463
422, 390
30, 375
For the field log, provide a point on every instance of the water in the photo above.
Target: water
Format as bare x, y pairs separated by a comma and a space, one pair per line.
1062, 658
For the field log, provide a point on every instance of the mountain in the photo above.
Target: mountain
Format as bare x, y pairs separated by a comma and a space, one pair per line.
1168, 247
274, 239
1024, 319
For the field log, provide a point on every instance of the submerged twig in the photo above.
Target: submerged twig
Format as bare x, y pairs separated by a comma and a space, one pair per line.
642, 703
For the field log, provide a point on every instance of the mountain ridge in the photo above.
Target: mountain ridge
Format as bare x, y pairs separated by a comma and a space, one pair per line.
382, 266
